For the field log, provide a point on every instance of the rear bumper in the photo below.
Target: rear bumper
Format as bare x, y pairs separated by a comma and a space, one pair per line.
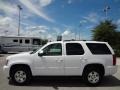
6, 71
110, 70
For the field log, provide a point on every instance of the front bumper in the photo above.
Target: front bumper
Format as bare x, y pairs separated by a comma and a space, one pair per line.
110, 70
6, 71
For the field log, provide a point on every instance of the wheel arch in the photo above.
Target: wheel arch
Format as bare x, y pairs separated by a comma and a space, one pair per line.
18, 66
94, 65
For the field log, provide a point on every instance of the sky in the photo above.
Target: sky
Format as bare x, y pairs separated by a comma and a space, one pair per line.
49, 18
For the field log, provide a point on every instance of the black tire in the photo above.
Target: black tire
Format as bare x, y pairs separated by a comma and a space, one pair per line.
20, 75
92, 76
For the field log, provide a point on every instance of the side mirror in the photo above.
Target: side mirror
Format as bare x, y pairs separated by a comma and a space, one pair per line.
34, 50
40, 53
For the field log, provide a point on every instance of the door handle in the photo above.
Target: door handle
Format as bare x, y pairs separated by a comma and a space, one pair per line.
83, 58
59, 61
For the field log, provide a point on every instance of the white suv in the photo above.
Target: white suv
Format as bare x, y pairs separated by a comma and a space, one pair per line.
90, 59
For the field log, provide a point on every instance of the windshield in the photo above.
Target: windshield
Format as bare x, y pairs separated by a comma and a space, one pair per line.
34, 51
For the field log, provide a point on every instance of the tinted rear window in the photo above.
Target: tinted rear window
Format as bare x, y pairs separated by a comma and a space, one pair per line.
74, 49
98, 48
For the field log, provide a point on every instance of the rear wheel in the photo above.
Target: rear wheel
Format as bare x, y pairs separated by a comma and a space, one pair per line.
20, 75
92, 77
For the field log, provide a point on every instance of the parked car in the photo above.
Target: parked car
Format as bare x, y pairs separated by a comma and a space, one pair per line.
90, 59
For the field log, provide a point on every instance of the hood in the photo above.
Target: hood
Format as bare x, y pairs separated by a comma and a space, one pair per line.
23, 55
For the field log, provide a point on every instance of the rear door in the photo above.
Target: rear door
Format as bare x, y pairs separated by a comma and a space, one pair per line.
73, 55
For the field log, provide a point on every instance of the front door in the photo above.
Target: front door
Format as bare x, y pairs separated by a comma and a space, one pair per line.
52, 61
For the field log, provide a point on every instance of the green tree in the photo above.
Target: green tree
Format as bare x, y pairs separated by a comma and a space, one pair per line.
117, 46
106, 31
44, 41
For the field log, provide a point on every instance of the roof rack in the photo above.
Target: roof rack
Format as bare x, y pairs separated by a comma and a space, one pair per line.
69, 40
76, 40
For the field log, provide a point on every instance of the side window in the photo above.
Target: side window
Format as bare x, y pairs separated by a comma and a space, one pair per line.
53, 50
15, 40
36, 41
0, 47
20, 41
98, 48
74, 49
27, 41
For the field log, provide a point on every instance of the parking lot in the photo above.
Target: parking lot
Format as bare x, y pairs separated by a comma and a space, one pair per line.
61, 83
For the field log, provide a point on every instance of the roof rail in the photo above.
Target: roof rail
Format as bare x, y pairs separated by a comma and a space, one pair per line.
76, 40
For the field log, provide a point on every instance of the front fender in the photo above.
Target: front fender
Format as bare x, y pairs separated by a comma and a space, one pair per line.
23, 62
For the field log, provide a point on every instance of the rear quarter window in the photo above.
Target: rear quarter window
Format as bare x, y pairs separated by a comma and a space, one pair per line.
98, 48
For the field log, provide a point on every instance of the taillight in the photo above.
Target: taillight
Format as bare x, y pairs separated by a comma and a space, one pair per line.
114, 60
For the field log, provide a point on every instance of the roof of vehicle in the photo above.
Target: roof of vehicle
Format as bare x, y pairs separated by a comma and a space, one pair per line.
78, 41
81, 41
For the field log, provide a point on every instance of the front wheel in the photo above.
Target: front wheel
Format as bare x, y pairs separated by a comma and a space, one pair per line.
20, 76
92, 77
